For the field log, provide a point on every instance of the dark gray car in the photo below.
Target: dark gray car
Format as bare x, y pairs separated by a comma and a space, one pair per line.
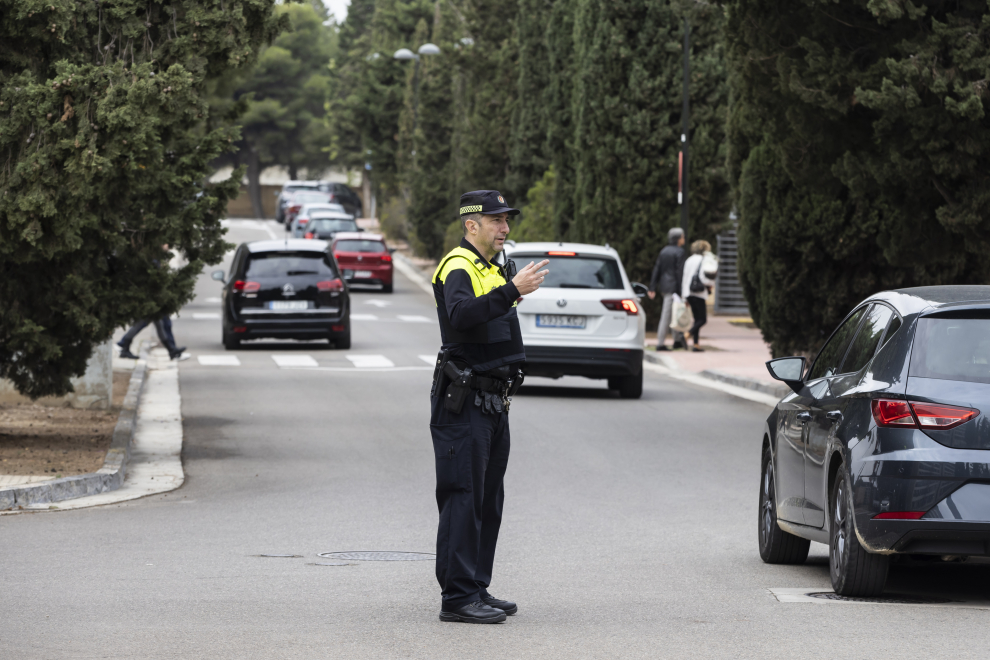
883, 448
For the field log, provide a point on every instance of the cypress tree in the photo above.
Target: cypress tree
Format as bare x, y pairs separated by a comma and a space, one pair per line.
106, 143
627, 125
558, 111
859, 154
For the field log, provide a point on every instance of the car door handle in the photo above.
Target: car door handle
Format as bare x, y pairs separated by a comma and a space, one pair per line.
803, 416
833, 415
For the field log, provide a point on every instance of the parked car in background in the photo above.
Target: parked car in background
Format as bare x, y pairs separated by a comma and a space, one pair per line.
324, 225
302, 198
364, 259
288, 188
882, 451
308, 210
284, 289
585, 319
343, 195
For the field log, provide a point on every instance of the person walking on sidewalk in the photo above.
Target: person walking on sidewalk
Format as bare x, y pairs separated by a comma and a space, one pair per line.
163, 327
696, 283
668, 272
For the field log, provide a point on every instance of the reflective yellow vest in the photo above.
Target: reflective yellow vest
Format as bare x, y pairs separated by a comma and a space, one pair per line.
483, 279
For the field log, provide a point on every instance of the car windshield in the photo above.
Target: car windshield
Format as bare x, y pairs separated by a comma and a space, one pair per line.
279, 264
952, 349
578, 272
310, 197
313, 208
359, 246
331, 225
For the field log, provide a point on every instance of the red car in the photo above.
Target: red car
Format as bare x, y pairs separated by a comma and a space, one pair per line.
364, 258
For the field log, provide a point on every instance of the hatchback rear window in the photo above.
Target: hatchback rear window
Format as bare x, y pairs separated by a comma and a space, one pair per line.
952, 349
329, 225
282, 264
577, 272
359, 246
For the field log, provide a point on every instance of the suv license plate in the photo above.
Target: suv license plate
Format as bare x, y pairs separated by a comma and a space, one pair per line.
284, 305
561, 321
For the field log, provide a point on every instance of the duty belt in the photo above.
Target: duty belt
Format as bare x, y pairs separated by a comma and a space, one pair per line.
492, 394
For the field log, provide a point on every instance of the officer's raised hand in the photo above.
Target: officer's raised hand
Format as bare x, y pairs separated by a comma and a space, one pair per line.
530, 277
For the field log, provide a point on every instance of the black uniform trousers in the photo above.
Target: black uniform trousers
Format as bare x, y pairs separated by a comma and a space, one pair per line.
472, 452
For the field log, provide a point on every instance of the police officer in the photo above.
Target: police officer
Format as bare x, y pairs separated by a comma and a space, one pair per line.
477, 372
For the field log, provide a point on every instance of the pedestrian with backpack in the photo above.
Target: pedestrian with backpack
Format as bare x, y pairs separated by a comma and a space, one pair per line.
700, 270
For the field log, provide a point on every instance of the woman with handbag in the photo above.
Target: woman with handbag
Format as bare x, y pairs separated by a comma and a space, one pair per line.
700, 270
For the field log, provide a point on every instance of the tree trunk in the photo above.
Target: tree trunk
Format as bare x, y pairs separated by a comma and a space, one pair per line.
254, 182
293, 172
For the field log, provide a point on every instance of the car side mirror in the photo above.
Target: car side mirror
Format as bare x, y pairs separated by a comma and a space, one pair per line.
639, 289
218, 276
360, 228
790, 370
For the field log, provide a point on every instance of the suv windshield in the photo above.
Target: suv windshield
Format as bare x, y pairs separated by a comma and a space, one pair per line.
281, 264
952, 349
580, 272
328, 225
359, 246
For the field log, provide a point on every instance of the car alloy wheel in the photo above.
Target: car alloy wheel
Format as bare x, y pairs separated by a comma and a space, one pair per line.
854, 571
776, 545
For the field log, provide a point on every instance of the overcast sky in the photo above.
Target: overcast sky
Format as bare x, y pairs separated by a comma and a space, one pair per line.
338, 7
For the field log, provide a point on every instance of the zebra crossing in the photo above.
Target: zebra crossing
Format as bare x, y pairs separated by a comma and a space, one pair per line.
354, 362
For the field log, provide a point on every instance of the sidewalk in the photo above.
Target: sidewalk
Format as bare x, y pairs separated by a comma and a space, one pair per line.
733, 353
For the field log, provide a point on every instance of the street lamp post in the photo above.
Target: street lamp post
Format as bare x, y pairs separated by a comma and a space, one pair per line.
406, 54
682, 193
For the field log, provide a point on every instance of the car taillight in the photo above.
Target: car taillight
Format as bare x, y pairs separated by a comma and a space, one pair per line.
294, 208
899, 515
888, 412
247, 287
386, 257
912, 414
561, 253
330, 285
309, 234
628, 306
302, 221
937, 416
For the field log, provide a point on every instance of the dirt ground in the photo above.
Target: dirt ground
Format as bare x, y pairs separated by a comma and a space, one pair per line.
58, 441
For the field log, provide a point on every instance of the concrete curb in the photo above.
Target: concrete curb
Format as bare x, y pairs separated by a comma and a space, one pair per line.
107, 478
406, 267
740, 386
772, 389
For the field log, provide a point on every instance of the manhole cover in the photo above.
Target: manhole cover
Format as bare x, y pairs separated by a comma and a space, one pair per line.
374, 555
893, 599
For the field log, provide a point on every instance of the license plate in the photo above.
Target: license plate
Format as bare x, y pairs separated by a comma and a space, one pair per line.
282, 305
561, 321
362, 274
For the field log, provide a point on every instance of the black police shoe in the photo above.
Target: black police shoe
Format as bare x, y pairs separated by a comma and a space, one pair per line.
126, 353
506, 606
476, 612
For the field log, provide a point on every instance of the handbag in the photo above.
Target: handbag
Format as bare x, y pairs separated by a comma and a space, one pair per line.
697, 286
682, 318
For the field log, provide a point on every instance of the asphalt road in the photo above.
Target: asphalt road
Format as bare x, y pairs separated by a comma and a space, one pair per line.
629, 529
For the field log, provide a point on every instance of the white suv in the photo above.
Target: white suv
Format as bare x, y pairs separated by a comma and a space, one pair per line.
586, 318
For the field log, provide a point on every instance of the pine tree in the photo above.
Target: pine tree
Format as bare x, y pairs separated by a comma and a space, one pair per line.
105, 149
859, 154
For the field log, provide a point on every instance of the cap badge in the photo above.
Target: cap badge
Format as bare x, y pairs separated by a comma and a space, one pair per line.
501, 201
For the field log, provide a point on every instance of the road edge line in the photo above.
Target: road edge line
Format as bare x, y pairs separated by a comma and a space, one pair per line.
406, 267
697, 379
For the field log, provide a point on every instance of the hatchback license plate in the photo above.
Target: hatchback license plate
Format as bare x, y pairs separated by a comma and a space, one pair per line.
283, 305
561, 321
362, 274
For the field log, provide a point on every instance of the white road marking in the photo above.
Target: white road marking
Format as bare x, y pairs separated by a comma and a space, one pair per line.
214, 301
219, 360
370, 361
741, 392
205, 316
428, 359
363, 317
295, 361
413, 318
363, 370
378, 303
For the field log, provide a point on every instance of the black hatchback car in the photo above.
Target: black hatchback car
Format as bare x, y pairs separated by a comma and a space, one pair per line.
883, 448
288, 289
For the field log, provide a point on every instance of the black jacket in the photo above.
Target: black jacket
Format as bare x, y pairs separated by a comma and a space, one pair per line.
669, 270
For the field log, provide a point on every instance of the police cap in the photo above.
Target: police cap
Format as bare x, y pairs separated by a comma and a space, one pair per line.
488, 202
